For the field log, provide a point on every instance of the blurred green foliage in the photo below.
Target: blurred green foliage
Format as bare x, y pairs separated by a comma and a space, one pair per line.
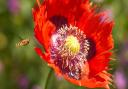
22, 68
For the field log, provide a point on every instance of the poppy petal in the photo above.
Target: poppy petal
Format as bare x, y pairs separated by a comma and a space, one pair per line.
43, 34
99, 63
99, 32
65, 8
93, 82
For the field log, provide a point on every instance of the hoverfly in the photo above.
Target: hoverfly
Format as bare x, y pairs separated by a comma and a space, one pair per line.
23, 42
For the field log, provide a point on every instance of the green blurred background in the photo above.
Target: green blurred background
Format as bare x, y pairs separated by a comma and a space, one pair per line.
22, 68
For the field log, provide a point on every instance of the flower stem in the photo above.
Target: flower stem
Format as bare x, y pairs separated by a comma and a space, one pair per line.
48, 78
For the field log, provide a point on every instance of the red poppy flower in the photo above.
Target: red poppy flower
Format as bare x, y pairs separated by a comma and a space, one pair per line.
76, 39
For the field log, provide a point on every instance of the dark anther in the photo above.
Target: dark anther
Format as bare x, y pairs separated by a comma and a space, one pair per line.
58, 21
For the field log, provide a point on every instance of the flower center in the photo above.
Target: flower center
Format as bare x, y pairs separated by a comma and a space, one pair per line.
72, 45
69, 51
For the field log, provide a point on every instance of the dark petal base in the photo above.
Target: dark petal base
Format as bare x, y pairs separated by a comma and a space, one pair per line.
59, 21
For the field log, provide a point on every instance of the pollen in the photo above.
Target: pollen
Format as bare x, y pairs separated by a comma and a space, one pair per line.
72, 45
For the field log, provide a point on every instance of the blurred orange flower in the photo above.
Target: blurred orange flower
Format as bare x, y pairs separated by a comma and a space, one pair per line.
76, 39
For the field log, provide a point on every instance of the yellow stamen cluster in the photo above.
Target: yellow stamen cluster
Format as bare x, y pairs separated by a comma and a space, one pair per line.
72, 45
